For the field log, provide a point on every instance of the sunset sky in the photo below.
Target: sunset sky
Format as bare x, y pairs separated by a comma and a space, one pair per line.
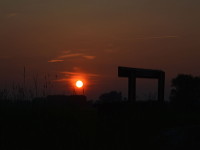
69, 39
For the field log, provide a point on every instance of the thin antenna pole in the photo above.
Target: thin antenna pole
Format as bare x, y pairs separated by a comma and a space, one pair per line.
24, 85
24, 76
74, 91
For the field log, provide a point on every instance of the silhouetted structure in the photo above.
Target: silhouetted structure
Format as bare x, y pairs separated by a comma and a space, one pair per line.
133, 73
110, 97
61, 100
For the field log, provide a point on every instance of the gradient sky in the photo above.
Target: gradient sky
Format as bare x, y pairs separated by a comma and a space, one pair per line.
91, 38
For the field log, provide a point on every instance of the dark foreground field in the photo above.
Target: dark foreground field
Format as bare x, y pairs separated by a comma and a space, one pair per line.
59, 123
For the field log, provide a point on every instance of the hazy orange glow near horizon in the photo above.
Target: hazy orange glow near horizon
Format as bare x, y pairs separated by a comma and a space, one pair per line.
60, 42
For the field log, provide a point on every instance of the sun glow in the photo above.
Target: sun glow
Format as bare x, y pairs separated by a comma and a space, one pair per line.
79, 84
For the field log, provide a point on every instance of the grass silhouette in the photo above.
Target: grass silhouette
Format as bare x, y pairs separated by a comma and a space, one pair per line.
71, 122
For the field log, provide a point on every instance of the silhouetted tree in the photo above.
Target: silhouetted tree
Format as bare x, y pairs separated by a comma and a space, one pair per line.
185, 90
112, 96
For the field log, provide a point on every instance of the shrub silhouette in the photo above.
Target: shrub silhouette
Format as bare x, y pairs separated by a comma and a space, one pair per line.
185, 90
110, 97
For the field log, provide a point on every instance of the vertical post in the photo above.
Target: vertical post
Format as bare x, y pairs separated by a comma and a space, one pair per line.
161, 87
74, 91
132, 88
83, 91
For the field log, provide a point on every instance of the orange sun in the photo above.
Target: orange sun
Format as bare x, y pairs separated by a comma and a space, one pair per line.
79, 84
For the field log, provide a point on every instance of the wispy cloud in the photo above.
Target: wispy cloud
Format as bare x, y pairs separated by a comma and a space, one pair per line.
68, 73
55, 60
148, 37
66, 52
69, 54
159, 37
89, 57
10, 15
